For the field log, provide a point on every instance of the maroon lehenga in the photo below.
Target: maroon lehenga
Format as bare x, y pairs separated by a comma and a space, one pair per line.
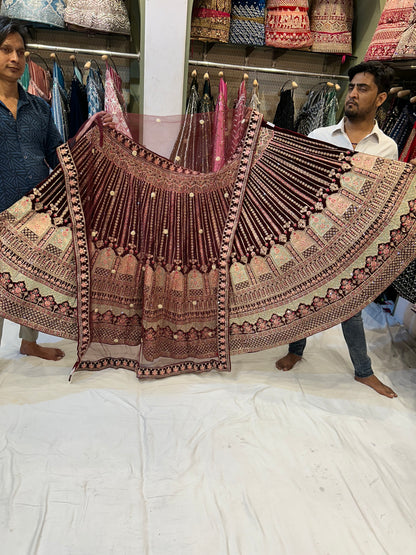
165, 270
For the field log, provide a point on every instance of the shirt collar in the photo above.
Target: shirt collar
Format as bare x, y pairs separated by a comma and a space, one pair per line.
340, 129
23, 97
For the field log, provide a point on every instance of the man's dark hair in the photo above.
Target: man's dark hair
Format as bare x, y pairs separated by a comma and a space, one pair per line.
8, 26
383, 75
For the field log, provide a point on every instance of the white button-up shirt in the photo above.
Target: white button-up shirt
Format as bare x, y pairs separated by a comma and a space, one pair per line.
376, 142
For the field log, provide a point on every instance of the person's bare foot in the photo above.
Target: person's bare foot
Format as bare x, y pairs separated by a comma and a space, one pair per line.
31, 348
373, 382
287, 362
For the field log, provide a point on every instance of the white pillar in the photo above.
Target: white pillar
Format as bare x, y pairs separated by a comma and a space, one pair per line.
165, 29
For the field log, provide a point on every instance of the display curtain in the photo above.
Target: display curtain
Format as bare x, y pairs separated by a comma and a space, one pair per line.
164, 270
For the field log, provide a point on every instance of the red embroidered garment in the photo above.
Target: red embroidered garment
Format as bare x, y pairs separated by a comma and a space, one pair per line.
164, 270
211, 20
287, 24
331, 26
393, 22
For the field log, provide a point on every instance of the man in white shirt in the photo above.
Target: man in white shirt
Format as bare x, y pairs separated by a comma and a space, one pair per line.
369, 85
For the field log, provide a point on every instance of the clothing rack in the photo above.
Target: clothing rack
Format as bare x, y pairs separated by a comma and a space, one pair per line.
36, 46
266, 70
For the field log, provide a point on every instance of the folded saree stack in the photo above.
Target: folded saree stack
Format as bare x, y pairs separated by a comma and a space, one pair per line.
163, 270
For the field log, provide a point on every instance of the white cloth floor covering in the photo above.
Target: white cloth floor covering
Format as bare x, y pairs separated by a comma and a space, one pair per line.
252, 462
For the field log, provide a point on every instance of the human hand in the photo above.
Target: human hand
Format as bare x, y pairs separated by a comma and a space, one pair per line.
413, 161
107, 120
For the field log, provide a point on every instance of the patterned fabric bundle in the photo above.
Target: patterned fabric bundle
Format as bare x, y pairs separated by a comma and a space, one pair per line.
106, 16
331, 26
164, 271
406, 47
211, 20
247, 22
393, 23
287, 24
47, 12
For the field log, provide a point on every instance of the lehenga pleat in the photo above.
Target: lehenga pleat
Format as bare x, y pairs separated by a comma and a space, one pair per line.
164, 270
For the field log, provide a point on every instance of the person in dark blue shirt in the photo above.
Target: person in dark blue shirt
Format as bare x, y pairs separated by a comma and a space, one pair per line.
28, 142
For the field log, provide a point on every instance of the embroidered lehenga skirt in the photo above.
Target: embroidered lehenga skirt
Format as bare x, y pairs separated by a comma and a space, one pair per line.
164, 270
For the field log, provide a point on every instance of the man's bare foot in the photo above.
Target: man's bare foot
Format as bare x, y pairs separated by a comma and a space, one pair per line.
377, 385
287, 362
31, 348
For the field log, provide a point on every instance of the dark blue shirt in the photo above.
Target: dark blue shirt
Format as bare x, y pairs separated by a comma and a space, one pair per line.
27, 147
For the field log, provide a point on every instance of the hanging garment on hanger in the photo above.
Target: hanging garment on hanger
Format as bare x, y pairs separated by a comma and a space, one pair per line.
95, 91
207, 103
211, 20
206, 109
404, 125
106, 16
312, 114
331, 26
78, 104
247, 22
220, 127
40, 81
114, 102
47, 12
409, 150
393, 114
255, 103
393, 23
406, 47
285, 111
165, 271
287, 24
330, 107
60, 106
25, 78
186, 150
238, 125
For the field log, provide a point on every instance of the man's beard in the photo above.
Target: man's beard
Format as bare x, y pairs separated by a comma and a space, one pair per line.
351, 111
